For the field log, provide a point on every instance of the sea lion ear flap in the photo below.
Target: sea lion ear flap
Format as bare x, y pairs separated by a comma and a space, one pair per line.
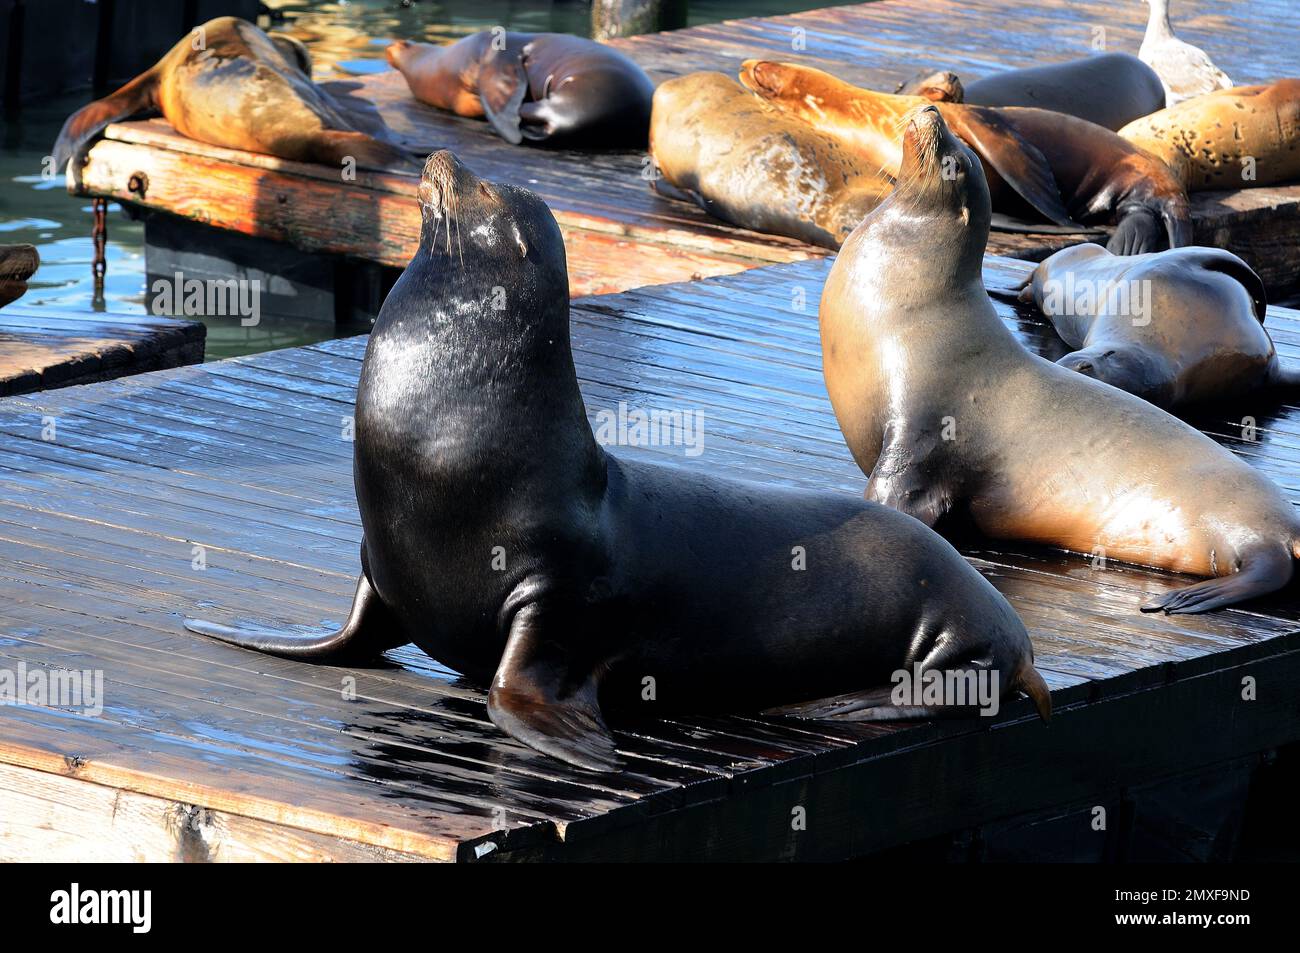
538, 698
1017, 160
503, 84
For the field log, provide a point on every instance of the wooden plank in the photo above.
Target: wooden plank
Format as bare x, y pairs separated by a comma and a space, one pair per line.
64, 820
43, 348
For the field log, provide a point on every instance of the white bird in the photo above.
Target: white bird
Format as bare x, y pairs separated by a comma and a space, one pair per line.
1184, 70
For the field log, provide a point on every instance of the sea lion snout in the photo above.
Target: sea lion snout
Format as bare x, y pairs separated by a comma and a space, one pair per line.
395, 50
439, 179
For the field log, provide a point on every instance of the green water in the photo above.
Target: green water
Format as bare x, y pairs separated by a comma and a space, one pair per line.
40, 211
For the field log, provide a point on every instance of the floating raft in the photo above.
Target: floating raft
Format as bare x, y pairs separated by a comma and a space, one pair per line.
208, 752
42, 348
618, 232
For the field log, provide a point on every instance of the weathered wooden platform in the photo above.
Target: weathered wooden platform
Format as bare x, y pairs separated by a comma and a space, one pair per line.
206, 752
619, 233
43, 348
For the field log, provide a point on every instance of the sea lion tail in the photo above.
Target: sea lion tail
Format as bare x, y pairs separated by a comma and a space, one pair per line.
133, 99
1027, 680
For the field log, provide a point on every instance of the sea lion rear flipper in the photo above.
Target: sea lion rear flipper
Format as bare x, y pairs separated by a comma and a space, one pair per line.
502, 88
1224, 262
369, 630
539, 699
135, 98
1264, 569
1020, 163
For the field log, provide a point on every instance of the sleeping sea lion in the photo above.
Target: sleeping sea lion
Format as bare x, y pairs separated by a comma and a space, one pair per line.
1176, 328
534, 86
229, 84
1067, 170
743, 162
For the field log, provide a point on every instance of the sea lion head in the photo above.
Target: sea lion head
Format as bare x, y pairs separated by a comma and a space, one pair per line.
940, 86
1131, 369
470, 224
800, 91
942, 196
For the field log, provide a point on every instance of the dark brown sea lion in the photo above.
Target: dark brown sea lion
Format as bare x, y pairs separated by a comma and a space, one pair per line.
229, 84
1108, 89
750, 165
1176, 328
1239, 138
947, 411
17, 264
505, 542
534, 86
1037, 162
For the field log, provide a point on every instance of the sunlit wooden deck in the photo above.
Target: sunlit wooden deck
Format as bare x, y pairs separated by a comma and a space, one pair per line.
619, 233
42, 348
206, 752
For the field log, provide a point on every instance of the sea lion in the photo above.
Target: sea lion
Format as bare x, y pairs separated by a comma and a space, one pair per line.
1237, 138
1062, 168
743, 162
1176, 328
949, 413
1108, 89
534, 86
229, 84
507, 544
17, 264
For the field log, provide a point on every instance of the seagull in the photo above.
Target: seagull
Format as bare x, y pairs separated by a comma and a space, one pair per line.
1184, 70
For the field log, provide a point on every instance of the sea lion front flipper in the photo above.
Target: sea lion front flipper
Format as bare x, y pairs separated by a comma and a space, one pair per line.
369, 631
538, 698
1020, 163
900, 479
136, 98
502, 88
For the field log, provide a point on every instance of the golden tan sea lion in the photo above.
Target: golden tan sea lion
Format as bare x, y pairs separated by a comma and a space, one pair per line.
1065, 169
1236, 138
947, 411
748, 164
229, 84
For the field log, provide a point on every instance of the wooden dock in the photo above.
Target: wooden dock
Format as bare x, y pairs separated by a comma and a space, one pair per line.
42, 348
226, 489
622, 235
